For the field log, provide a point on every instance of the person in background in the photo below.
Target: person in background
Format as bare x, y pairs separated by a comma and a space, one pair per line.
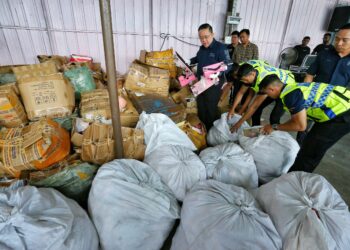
209, 53
251, 74
325, 45
327, 105
333, 66
246, 50
234, 42
303, 50
231, 49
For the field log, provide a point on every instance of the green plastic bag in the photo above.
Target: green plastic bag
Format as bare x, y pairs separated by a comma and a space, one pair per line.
7, 78
74, 180
67, 122
82, 80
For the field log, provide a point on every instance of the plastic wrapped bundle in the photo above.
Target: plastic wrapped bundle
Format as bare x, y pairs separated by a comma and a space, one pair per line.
307, 211
179, 168
230, 164
273, 154
131, 207
42, 218
220, 132
219, 216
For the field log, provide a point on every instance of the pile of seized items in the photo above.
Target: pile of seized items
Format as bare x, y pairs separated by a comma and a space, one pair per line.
57, 151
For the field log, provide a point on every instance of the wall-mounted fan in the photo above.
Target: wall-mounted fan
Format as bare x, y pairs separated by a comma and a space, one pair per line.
288, 56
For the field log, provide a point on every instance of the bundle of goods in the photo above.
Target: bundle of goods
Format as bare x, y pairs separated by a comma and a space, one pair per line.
153, 103
161, 131
161, 59
178, 167
147, 79
45, 92
98, 143
12, 112
307, 211
216, 215
229, 163
95, 106
36, 146
273, 154
42, 218
131, 207
220, 132
71, 177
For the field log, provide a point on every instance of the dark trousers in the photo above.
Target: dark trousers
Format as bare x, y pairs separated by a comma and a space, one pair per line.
275, 115
207, 105
321, 137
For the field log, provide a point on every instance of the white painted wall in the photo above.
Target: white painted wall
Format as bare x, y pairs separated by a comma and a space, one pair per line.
32, 27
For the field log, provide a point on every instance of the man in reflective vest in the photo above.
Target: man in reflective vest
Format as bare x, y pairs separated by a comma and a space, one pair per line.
251, 74
327, 105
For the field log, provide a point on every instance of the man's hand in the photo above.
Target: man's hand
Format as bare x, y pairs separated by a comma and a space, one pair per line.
267, 129
235, 127
230, 114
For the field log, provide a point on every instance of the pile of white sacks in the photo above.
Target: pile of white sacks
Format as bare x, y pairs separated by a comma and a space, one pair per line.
135, 205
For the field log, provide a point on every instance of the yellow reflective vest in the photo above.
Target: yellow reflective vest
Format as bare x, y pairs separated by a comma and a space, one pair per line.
265, 69
323, 102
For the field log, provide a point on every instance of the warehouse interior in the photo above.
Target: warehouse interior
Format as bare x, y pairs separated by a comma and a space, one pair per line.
174, 124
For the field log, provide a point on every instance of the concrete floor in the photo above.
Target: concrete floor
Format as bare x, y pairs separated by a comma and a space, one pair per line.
335, 165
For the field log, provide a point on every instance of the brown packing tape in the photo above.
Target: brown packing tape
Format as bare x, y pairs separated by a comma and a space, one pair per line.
47, 96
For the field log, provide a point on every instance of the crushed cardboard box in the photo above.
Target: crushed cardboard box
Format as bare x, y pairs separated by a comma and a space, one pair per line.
36, 146
98, 143
12, 112
161, 59
147, 79
95, 106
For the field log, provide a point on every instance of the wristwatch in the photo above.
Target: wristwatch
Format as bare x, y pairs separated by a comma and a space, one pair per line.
274, 126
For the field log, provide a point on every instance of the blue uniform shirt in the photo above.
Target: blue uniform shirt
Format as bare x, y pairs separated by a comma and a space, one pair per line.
215, 53
330, 68
294, 101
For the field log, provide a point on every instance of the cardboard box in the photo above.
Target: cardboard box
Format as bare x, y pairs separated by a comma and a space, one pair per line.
98, 143
147, 79
36, 146
34, 70
12, 112
162, 59
47, 96
95, 106
151, 103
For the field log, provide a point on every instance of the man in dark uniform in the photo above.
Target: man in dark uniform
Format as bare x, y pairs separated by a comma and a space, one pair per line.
303, 50
327, 105
324, 46
210, 52
234, 42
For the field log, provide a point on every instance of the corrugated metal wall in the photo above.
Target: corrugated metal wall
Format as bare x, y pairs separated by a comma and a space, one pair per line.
32, 27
